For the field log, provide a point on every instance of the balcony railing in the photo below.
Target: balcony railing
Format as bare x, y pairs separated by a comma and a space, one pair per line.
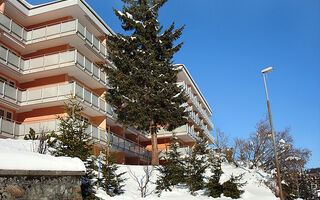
9, 128
9, 93
17, 130
52, 31
193, 116
52, 61
196, 103
55, 93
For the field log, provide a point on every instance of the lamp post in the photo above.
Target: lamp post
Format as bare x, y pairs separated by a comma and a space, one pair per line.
267, 70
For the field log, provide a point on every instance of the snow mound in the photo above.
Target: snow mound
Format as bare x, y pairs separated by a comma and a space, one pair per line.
21, 155
254, 189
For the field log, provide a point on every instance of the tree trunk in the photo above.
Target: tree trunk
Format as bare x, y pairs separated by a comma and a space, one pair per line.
154, 142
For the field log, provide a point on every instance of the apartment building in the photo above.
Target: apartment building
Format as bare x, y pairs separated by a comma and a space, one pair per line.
51, 52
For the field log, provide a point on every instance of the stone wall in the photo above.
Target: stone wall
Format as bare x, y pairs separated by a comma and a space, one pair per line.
40, 185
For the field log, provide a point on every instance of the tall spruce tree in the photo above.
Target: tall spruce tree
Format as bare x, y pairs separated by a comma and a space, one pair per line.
72, 140
143, 82
196, 165
172, 172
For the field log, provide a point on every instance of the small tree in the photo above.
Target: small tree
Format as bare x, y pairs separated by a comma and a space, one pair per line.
143, 181
72, 140
41, 138
172, 172
196, 165
213, 186
144, 89
231, 188
111, 181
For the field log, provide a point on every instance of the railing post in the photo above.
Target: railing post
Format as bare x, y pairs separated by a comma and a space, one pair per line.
0, 124
10, 25
84, 63
7, 56
41, 93
82, 93
92, 39
90, 98
75, 56
17, 94
76, 21
3, 89
60, 29
13, 129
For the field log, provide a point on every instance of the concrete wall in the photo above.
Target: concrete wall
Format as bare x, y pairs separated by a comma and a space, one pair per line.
45, 185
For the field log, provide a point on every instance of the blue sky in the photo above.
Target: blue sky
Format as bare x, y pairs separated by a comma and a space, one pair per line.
228, 43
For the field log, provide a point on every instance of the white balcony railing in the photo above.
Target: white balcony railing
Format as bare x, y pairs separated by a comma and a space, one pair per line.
9, 93
52, 31
8, 128
55, 93
196, 103
52, 61
17, 130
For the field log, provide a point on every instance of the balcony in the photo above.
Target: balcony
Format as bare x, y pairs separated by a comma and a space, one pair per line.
52, 31
196, 103
182, 150
193, 116
57, 94
16, 130
185, 132
57, 63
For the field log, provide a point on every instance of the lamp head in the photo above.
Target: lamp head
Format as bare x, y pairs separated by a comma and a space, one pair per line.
267, 70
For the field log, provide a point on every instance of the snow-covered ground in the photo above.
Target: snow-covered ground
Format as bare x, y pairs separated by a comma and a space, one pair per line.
22, 155
254, 189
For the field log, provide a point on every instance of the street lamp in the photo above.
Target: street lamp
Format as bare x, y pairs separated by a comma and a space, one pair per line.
267, 70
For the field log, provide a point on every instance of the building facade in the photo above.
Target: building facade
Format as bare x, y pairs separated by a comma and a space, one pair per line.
51, 52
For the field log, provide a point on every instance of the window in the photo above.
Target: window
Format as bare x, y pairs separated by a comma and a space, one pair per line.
9, 116
5, 114
7, 81
2, 113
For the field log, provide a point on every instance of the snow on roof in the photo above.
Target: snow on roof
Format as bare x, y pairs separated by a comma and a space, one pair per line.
21, 155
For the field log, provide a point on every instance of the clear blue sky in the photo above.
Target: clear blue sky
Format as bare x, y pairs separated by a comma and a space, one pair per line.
227, 43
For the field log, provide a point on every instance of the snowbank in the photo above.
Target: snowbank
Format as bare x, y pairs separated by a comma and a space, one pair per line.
21, 155
254, 189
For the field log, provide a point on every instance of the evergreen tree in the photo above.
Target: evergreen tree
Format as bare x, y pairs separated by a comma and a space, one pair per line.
172, 172
213, 186
196, 165
112, 182
231, 187
305, 189
72, 140
143, 83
